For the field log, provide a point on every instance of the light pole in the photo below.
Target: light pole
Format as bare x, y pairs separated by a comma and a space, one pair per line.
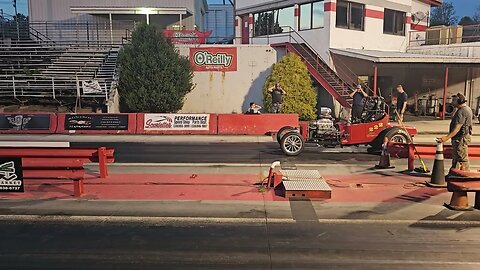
2, 21
16, 18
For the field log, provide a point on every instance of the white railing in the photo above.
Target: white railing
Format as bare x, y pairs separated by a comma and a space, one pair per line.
18, 86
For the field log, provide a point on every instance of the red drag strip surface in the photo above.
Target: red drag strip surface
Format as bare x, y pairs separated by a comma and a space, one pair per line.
370, 187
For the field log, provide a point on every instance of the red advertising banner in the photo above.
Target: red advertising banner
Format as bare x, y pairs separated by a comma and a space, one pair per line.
214, 59
187, 36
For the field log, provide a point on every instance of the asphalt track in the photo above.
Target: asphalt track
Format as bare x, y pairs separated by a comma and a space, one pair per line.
257, 153
303, 244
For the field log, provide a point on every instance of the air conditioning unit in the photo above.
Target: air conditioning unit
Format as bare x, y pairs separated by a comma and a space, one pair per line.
456, 33
437, 35
444, 35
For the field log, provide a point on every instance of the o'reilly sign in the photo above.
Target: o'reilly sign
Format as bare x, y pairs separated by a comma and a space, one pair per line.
214, 59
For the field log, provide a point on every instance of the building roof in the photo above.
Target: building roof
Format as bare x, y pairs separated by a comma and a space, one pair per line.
130, 10
435, 3
402, 57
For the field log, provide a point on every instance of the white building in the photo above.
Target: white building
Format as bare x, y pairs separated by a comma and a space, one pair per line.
360, 24
168, 14
374, 41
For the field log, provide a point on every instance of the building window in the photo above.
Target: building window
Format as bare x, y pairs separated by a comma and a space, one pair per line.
273, 21
394, 22
285, 17
311, 15
350, 15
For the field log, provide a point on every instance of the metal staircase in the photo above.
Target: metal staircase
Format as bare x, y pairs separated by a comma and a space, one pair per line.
338, 87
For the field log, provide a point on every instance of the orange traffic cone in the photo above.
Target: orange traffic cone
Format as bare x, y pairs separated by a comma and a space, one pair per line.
385, 157
438, 173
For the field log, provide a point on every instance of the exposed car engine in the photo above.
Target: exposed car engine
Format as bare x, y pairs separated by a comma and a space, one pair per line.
323, 130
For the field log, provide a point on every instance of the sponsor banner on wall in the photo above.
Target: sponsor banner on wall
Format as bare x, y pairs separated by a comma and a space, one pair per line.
96, 122
214, 59
187, 36
176, 122
24, 122
11, 175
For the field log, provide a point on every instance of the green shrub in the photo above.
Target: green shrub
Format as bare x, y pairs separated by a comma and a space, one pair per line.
153, 76
293, 76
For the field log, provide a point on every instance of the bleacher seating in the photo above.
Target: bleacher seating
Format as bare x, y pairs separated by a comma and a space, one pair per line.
54, 71
47, 69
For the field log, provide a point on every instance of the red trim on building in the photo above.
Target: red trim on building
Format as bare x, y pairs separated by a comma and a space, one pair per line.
236, 22
330, 6
419, 27
370, 13
432, 2
296, 12
250, 19
409, 19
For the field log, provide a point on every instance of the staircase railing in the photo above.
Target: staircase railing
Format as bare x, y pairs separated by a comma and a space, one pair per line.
294, 36
319, 62
350, 72
39, 35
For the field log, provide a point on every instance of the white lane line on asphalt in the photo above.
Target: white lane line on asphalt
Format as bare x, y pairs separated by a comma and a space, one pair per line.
34, 144
213, 220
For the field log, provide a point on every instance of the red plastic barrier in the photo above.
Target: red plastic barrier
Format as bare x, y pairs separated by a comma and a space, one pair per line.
254, 124
28, 123
428, 150
172, 124
60, 163
96, 123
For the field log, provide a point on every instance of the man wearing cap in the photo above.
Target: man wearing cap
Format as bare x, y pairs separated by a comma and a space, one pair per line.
357, 105
460, 133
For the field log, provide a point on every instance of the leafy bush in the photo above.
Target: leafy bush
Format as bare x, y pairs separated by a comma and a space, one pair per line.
293, 76
153, 76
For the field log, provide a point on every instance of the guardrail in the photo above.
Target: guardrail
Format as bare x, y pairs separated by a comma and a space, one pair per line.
428, 151
59, 163
142, 124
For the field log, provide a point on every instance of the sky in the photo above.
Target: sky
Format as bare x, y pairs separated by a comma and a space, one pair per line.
462, 7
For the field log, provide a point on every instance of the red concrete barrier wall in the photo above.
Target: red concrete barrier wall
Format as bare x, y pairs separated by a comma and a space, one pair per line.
94, 123
28, 123
254, 124
165, 124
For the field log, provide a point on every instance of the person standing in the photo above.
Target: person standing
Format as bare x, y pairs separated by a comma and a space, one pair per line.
401, 103
357, 105
460, 132
277, 97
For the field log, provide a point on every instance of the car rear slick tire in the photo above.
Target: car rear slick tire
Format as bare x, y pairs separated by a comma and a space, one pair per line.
284, 130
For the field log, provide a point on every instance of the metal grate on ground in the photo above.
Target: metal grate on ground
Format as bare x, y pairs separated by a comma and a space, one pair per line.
300, 175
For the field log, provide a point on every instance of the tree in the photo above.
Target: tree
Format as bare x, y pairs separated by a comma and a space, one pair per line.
476, 15
8, 27
153, 76
292, 75
266, 24
443, 15
466, 20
